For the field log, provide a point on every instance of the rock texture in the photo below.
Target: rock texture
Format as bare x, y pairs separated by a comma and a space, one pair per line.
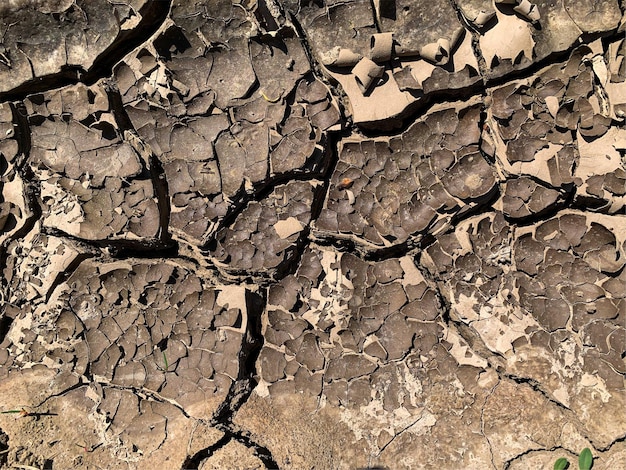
299, 234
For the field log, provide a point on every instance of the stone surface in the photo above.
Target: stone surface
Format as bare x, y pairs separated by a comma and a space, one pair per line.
293, 234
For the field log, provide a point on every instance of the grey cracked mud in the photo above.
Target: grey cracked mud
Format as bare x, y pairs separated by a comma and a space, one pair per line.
297, 234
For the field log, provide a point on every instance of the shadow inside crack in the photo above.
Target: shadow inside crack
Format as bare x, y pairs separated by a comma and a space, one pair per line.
239, 393
152, 15
193, 462
262, 453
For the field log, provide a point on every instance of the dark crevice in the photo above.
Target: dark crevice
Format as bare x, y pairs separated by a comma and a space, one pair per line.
342, 243
4, 447
117, 108
31, 190
239, 392
261, 452
151, 248
5, 325
152, 14
22, 128
241, 388
394, 251
509, 462
193, 462
155, 168
375, 15
331, 159
66, 273
59, 394
484, 129
536, 386
568, 191
608, 447
159, 183
144, 250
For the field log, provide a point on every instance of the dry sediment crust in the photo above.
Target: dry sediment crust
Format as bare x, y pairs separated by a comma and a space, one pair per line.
293, 234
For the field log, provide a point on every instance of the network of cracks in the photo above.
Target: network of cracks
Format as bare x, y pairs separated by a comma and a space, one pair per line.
312, 234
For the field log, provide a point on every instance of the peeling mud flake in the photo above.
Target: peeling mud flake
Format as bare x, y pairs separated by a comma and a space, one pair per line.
52, 38
94, 185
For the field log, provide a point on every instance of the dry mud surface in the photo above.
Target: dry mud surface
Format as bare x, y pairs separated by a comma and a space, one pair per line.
312, 234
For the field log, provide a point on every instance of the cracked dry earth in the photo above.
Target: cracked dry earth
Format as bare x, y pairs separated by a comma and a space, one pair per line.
312, 234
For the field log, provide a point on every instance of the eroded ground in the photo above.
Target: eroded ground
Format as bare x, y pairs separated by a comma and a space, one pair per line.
312, 234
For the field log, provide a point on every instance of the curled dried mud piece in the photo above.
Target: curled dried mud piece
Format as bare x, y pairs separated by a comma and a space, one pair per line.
477, 12
340, 57
367, 73
439, 53
527, 10
552, 102
483, 18
382, 47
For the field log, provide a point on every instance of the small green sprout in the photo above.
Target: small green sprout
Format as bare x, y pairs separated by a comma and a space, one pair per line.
22, 412
561, 464
166, 364
585, 461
